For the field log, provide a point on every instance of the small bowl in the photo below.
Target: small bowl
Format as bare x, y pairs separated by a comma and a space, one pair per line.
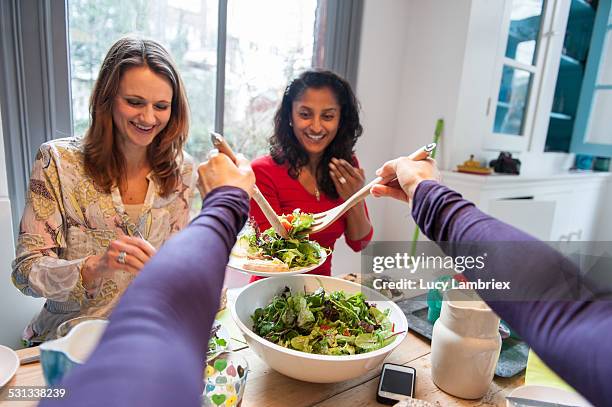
307, 366
225, 380
65, 327
60, 356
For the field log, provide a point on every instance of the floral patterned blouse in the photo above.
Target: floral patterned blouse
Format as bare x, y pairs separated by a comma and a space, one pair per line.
66, 219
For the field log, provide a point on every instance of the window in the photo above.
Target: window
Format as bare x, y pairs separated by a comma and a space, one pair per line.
267, 43
52, 51
261, 58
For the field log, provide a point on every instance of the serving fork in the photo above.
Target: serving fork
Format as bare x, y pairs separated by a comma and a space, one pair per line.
323, 220
221, 145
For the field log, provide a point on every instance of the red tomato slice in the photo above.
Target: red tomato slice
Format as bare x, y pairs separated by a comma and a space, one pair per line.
286, 225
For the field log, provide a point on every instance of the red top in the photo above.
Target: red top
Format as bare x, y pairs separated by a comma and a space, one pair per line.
285, 194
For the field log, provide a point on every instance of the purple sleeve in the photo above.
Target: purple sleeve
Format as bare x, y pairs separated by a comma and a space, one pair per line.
571, 336
154, 349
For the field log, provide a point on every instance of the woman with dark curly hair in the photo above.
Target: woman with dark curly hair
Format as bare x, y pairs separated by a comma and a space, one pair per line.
312, 165
99, 206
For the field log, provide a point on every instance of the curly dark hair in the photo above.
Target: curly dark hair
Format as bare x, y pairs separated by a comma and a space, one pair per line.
284, 146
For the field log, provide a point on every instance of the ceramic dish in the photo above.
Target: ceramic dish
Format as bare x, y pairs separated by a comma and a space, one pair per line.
547, 394
59, 356
237, 263
9, 363
307, 366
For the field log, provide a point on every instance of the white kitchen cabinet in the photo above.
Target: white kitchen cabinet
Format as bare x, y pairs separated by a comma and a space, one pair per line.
507, 88
550, 108
553, 82
570, 203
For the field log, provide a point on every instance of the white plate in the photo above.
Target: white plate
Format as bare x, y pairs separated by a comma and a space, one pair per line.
548, 394
9, 363
237, 263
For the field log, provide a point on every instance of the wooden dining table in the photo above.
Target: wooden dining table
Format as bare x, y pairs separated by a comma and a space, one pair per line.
266, 387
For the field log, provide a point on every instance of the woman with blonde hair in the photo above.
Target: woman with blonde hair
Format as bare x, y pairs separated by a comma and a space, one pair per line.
99, 206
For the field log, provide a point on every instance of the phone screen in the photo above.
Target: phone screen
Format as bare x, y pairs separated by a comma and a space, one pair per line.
397, 382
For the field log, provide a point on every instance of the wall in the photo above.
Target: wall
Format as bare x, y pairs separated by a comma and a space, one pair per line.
15, 308
410, 70
433, 49
465, 137
379, 73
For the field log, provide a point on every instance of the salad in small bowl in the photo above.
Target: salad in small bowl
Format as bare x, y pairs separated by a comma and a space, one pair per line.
267, 254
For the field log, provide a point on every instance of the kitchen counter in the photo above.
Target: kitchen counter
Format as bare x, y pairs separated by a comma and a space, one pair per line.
496, 179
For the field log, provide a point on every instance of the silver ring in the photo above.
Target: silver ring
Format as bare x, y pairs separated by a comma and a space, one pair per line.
342, 180
121, 257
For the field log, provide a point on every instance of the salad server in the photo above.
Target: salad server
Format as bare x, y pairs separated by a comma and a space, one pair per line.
324, 219
221, 145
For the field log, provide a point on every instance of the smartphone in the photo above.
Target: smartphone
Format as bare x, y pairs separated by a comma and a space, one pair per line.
396, 383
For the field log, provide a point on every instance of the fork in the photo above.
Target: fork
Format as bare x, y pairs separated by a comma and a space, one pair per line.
323, 220
137, 230
221, 145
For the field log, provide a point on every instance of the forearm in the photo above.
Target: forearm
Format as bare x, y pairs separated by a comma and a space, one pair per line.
534, 270
161, 326
542, 284
357, 223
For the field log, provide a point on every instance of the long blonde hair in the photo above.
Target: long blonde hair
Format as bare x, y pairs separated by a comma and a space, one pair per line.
104, 161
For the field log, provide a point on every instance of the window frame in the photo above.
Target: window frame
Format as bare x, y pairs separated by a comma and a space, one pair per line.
518, 143
592, 83
35, 98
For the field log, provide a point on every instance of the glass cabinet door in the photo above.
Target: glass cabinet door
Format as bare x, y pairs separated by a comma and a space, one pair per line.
570, 75
592, 130
519, 65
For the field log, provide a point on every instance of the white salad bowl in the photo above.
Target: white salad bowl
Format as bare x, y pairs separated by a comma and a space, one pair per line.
307, 366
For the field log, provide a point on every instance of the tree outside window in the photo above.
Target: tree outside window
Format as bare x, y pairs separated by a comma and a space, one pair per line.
268, 43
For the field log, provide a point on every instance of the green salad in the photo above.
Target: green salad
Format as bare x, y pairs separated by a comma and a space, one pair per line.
295, 251
324, 323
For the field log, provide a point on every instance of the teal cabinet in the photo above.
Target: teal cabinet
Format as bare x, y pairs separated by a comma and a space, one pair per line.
593, 127
582, 104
